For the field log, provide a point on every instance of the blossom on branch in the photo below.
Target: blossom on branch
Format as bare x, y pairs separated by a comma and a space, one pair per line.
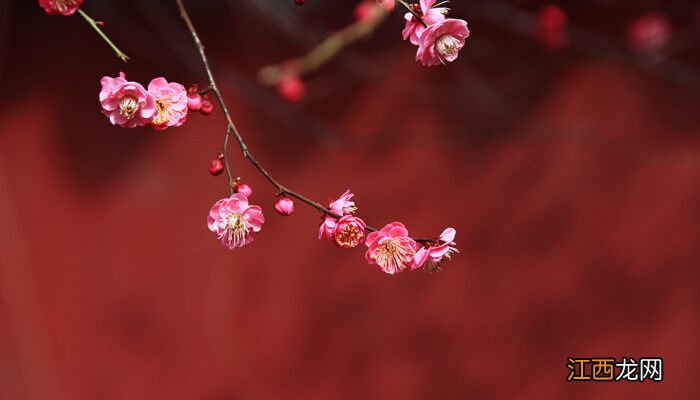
430, 14
391, 248
433, 255
171, 103
126, 103
349, 232
235, 221
442, 41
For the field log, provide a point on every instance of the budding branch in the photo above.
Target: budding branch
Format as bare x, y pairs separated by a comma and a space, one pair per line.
231, 128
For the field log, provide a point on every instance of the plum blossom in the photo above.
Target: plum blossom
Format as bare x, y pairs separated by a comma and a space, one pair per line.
430, 14
126, 103
391, 248
235, 221
343, 206
349, 232
284, 206
442, 41
434, 255
60, 7
171, 103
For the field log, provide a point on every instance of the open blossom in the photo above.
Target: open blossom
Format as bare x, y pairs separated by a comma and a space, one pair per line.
428, 13
349, 232
60, 7
391, 248
127, 104
434, 255
235, 221
343, 206
442, 41
171, 103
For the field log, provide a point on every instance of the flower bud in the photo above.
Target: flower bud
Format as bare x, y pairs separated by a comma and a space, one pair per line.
216, 166
284, 206
243, 189
194, 99
207, 106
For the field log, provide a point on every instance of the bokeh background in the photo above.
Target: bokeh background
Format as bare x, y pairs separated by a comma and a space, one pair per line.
571, 176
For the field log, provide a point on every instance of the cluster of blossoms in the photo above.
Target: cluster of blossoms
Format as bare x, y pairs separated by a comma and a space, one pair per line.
439, 39
162, 105
235, 222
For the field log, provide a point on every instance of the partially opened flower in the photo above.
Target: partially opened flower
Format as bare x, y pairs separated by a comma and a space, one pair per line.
127, 104
430, 14
235, 221
391, 248
60, 7
171, 103
442, 41
349, 232
343, 206
432, 256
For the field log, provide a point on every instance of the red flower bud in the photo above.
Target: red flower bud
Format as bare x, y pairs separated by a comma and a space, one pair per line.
243, 189
216, 166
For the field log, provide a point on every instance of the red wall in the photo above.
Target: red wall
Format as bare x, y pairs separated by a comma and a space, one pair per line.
572, 183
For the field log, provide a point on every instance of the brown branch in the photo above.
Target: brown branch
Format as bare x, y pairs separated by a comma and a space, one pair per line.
232, 128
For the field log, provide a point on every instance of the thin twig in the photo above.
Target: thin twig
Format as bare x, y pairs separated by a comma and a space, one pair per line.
232, 128
96, 27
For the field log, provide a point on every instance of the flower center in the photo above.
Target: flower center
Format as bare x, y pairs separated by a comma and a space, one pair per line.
162, 116
392, 255
350, 236
236, 229
447, 45
128, 107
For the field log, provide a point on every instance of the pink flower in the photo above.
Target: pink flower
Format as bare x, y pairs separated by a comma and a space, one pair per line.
127, 104
349, 232
431, 15
442, 41
284, 206
344, 205
650, 32
391, 248
434, 255
235, 221
325, 230
171, 103
60, 7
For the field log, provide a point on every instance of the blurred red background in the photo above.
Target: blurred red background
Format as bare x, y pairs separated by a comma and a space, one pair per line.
571, 178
